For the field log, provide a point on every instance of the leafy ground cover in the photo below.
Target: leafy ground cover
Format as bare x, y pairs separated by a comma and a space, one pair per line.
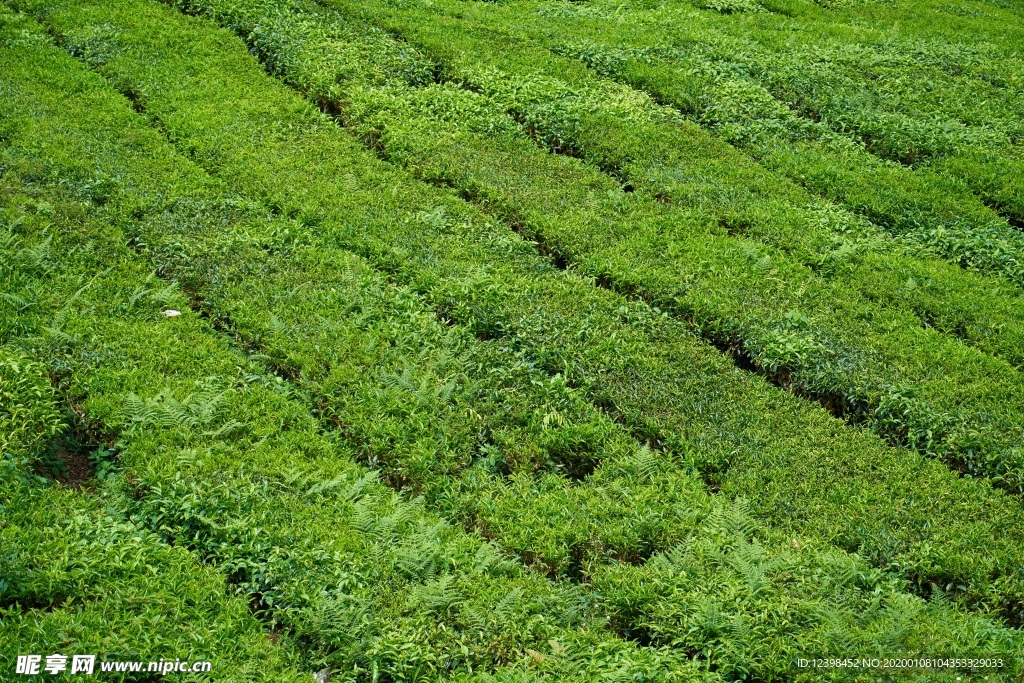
272, 519
580, 486
803, 328
930, 102
615, 357
493, 47
221, 458
78, 577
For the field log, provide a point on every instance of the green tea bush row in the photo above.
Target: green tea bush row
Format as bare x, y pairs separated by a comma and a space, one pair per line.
632, 359
184, 454
28, 417
223, 458
728, 289
934, 99
926, 102
438, 411
753, 104
816, 235
77, 578
935, 214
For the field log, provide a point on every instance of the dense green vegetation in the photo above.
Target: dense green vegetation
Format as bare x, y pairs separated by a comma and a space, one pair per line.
802, 329
178, 450
221, 457
443, 404
947, 107
502, 50
334, 204
79, 578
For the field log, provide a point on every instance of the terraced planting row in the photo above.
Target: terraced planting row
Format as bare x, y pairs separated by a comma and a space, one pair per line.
917, 88
222, 457
658, 339
575, 428
77, 578
937, 104
510, 51
219, 459
77, 581
865, 358
352, 574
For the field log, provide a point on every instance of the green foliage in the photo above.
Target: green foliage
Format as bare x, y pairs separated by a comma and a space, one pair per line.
29, 417
716, 597
817, 359
79, 579
644, 369
436, 346
356, 577
852, 351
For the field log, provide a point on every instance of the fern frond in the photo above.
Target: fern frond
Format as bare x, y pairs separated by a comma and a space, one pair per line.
19, 303
648, 463
489, 560
504, 608
435, 596
361, 486
137, 295
60, 335
228, 428
938, 596
276, 327
324, 486
363, 519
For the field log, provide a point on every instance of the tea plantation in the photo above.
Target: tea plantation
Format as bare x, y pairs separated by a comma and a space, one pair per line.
499, 342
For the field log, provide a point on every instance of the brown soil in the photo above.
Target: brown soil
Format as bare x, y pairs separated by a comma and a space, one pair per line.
79, 472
